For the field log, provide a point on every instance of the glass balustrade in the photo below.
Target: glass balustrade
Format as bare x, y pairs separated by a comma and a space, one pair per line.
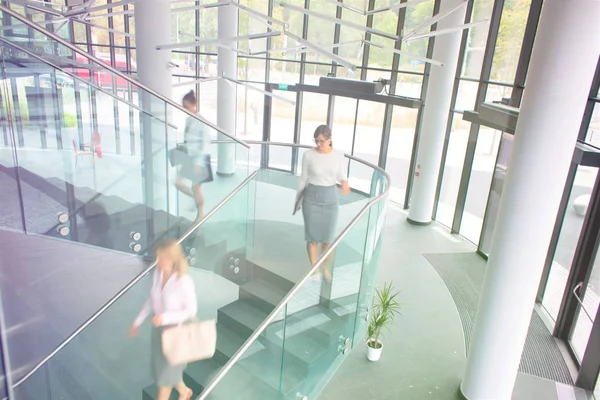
86, 152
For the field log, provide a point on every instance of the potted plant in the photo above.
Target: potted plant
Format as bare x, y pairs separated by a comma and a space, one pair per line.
385, 309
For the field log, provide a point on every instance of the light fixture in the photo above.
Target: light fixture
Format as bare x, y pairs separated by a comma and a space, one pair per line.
198, 6
446, 31
433, 20
201, 80
339, 21
233, 80
322, 51
403, 53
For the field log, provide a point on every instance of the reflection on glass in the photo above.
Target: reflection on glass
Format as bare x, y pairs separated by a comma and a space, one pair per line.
510, 40
367, 139
569, 236
473, 60
593, 134
455, 157
344, 113
479, 184
587, 312
498, 94
283, 116
314, 113
491, 212
402, 136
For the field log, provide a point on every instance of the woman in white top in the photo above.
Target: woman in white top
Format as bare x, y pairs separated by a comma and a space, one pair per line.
197, 144
322, 169
172, 301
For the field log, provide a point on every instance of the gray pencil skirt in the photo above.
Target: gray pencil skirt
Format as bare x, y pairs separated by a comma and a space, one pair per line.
320, 206
164, 374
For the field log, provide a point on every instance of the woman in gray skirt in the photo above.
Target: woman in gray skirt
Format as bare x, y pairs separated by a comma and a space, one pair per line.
172, 301
322, 169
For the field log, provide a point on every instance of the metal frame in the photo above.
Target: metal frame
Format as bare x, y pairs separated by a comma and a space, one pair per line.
486, 69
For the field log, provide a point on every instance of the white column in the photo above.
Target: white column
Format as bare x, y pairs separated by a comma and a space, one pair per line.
435, 115
565, 53
153, 28
227, 91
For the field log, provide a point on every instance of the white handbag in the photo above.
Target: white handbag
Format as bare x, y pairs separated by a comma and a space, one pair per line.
189, 342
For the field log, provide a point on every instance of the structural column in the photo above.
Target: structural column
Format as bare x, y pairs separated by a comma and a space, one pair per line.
226, 90
153, 28
435, 114
566, 50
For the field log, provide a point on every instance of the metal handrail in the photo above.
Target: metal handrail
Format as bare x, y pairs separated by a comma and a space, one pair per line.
240, 352
79, 79
135, 280
116, 72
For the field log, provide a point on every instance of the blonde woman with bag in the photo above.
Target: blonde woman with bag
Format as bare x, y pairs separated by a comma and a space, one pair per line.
172, 301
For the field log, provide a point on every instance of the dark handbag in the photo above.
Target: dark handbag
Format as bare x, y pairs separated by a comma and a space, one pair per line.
178, 155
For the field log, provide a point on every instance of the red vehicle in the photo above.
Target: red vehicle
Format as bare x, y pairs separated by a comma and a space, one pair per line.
104, 78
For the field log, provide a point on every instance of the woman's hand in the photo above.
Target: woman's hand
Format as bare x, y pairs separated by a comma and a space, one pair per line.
134, 330
157, 320
345, 188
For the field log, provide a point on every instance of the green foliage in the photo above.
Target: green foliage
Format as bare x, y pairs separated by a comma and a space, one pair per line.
385, 309
510, 38
69, 120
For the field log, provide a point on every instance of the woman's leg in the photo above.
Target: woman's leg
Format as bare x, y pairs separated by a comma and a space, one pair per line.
185, 393
164, 393
328, 262
199, 197
182, 187
313, 252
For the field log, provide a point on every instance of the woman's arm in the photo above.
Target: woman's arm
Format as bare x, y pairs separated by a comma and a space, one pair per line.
341, 175
190, 304
144, 312
304, 175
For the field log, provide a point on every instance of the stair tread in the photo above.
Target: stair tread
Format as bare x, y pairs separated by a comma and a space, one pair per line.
244, 313
237, 384
265, 291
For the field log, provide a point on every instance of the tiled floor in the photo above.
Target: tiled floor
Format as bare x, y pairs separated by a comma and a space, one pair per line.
424, 351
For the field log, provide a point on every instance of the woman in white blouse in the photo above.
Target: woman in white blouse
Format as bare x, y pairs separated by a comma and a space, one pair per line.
322, 169
172, 301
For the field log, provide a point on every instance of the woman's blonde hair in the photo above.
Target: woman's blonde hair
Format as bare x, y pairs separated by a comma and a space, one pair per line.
174, 252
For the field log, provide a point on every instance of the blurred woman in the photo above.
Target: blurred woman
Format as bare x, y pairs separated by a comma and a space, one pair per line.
172, 301
322, 169
197, 146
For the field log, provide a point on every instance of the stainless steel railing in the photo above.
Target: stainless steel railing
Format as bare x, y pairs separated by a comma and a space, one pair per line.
256, 334
114, 71
135, 280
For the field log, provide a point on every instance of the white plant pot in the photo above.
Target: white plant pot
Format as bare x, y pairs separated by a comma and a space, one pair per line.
374, 354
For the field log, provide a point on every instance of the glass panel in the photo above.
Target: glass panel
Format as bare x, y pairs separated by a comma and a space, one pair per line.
319, 330
367, 139
402, 136
491, 212
343, 128
473, 60
478, 191
415, 16
498, 94
593, 133
314, 113
588, 312
567, 241
455, 158
283, 117
467, 93
102, 363
510, 40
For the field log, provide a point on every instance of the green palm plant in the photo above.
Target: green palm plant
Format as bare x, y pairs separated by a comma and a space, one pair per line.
385, 309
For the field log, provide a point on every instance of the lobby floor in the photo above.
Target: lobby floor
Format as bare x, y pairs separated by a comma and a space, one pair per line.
424, 352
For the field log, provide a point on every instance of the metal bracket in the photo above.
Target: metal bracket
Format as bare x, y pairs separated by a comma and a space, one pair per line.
580, 301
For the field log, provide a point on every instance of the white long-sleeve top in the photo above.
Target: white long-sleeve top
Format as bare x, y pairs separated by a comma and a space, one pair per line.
322, 169
176, 301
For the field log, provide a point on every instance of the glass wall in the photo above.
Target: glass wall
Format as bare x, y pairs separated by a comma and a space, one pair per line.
567, 242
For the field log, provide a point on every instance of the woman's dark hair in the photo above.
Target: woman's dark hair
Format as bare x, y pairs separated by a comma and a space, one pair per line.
325, 131
190, 97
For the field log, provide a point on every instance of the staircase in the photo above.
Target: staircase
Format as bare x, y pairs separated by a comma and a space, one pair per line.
316, 328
